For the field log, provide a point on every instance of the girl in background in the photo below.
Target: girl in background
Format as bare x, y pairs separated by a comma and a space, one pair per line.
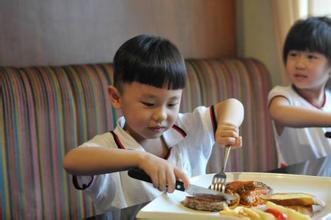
302, 111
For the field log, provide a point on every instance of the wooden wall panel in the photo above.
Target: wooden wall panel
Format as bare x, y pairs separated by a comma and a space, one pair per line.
57, 32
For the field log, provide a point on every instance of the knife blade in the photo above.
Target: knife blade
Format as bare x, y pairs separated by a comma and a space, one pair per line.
192, 189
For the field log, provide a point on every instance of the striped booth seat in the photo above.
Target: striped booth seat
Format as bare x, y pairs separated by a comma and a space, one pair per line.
46, 111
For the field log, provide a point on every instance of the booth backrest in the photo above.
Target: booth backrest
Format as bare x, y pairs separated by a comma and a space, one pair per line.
46, 111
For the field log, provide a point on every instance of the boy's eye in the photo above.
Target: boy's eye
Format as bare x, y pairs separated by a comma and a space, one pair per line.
171, 105
148, 104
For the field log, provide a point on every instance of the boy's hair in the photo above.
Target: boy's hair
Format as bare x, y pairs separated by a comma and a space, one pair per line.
312, 34
150, 60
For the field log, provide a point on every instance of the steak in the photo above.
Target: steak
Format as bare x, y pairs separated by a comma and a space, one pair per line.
212, 203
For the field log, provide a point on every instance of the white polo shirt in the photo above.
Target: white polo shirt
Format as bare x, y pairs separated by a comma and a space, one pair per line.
295, 145
190, 141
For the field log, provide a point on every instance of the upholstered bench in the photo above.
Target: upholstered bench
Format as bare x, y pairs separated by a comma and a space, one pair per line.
45, 111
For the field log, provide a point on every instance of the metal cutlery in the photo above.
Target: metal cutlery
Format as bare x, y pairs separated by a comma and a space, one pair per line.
219, 180
192, 189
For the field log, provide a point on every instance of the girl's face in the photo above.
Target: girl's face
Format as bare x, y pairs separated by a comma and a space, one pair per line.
307, 70
149, 111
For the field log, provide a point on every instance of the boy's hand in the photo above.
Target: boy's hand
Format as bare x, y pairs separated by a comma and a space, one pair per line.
227, 134
162, 173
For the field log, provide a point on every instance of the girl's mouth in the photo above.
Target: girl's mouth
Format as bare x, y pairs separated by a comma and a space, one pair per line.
301, 76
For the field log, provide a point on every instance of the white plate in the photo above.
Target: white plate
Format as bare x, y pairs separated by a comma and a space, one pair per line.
168, 206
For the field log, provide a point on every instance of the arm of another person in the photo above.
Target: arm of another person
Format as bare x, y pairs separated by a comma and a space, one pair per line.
286, 115
230, 115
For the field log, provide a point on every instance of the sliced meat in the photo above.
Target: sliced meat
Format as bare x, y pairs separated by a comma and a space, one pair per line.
249, 191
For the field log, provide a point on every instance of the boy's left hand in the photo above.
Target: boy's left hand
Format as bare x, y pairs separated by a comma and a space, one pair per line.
228, 134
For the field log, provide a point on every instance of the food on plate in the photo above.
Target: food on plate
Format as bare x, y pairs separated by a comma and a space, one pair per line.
291, 214
277, 214
255, 200
211, 203
250, 192
253, 213
269, 211
301, 202
234, 213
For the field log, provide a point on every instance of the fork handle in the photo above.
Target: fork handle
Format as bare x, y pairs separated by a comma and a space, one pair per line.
226, 156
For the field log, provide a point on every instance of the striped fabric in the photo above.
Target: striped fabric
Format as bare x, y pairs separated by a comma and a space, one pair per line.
45, 111
249, 81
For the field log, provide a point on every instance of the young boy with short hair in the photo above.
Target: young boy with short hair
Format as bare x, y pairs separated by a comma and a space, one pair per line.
149, 77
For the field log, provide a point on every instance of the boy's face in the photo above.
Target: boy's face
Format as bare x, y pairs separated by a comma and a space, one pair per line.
307, 70
149, 111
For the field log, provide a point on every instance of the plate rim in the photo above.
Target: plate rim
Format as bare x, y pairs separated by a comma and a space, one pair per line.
194, 179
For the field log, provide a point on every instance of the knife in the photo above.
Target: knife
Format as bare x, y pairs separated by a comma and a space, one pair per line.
193, 190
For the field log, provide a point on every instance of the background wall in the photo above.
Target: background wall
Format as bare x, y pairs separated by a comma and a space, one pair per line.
255, 34
56, 32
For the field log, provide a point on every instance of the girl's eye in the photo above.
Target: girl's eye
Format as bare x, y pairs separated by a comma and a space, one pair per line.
292, 54
311, 56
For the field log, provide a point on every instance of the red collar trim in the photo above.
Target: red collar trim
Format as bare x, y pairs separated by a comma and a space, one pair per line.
120, 146
316, 106
117, 140
181, 131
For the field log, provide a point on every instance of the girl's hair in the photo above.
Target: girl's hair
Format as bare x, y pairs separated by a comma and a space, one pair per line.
150, 60
311, 34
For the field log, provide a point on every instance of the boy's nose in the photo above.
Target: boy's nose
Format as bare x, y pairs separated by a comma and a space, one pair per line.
160, 115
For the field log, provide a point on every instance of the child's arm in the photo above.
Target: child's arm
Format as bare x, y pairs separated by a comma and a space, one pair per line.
229, 114
292, 116
99, 160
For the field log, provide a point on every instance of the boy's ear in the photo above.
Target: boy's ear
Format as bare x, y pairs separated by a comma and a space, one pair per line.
114, 96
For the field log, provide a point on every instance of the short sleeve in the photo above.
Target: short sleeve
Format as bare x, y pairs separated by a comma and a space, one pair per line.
199, 122
279, 91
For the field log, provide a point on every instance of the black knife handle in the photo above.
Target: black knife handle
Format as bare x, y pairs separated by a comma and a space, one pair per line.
139, 174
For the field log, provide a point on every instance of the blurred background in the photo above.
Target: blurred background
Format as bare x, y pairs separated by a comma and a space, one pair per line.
58, 32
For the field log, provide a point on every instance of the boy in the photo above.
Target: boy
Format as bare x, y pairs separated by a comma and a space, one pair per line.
302, 111
149, 77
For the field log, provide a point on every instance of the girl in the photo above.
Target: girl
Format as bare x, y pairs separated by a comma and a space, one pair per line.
302, 111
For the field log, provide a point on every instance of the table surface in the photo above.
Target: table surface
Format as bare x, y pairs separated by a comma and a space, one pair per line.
317, 167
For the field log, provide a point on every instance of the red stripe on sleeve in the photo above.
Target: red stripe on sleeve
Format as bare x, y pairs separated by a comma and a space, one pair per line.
213, 118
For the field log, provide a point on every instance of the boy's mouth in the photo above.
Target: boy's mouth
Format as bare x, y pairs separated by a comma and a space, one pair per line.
157, 128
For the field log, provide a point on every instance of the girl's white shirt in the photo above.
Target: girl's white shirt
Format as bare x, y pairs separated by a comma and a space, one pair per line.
296, 145
191, 146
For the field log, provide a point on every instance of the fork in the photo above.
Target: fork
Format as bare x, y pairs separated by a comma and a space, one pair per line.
219, 180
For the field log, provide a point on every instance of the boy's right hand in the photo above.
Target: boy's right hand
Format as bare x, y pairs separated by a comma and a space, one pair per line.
162, 173
228, 134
